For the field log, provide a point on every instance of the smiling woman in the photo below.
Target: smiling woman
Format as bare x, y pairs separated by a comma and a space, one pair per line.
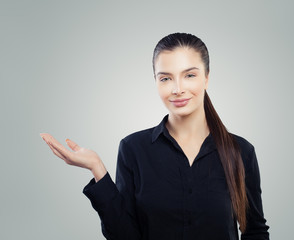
187, 177
181, 79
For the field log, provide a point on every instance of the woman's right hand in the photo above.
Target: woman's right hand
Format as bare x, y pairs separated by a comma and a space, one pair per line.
81, 157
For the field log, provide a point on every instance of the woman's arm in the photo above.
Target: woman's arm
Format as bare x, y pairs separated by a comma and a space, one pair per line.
256, 223
115, 203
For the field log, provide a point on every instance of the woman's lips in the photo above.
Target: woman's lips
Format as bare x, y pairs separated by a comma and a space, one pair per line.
180, 102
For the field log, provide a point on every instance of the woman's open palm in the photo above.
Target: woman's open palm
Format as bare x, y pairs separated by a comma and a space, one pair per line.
80, 156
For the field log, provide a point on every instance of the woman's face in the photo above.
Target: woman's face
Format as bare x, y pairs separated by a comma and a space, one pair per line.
181, 81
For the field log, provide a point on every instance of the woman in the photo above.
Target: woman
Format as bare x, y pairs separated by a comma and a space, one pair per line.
186, 178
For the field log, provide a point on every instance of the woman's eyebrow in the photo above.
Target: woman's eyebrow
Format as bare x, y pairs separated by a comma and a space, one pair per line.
189, 69
186, 70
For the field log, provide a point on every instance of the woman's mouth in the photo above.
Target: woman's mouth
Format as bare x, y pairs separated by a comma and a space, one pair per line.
180, 102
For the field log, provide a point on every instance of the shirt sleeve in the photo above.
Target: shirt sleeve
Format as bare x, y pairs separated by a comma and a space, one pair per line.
115, 202
256, 223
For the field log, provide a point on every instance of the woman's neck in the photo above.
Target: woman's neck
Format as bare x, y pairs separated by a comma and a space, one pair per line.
192, 126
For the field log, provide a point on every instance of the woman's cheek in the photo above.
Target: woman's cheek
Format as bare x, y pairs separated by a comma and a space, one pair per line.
164, 92
196, 88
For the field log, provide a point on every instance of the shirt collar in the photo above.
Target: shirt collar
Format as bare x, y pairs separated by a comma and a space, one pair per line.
161, 128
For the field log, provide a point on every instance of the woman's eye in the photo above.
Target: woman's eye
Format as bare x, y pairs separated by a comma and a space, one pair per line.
191, 75
164, 79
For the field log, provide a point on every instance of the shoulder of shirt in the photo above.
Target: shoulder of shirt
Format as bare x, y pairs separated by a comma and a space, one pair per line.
139, 136
244, 144
247, 150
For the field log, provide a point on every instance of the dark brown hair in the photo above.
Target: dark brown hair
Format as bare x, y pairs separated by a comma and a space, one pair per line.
227, 147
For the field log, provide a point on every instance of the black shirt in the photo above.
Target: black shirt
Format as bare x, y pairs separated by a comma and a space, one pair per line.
158, 195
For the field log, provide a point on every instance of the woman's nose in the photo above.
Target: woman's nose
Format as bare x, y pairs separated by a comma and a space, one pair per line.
177, 88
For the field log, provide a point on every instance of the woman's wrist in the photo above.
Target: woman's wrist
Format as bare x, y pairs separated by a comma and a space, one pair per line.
98, 170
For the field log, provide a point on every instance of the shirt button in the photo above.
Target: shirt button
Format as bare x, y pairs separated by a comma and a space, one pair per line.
190, 190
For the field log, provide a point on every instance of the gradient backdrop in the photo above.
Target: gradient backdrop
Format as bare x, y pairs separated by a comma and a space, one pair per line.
82, 70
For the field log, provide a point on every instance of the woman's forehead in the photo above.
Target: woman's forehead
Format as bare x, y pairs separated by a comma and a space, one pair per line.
178, 59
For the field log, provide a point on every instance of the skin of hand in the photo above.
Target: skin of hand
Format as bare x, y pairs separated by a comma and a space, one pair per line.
80, 157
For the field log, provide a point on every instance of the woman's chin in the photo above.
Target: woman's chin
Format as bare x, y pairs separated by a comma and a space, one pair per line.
180, 112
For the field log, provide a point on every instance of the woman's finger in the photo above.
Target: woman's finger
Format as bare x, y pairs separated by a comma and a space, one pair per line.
53, 150
56, 152
73, 145
68, 155
61, 155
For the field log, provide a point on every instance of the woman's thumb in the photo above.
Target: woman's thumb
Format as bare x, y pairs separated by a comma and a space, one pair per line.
72, 145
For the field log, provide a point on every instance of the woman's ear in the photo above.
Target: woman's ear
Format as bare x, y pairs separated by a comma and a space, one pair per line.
206, 81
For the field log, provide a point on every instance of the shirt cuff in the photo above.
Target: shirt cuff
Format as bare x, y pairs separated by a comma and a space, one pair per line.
101, 192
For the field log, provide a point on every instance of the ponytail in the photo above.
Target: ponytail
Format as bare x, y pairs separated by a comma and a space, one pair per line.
230, 156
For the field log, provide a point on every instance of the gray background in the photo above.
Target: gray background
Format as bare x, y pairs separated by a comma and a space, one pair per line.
82, 70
